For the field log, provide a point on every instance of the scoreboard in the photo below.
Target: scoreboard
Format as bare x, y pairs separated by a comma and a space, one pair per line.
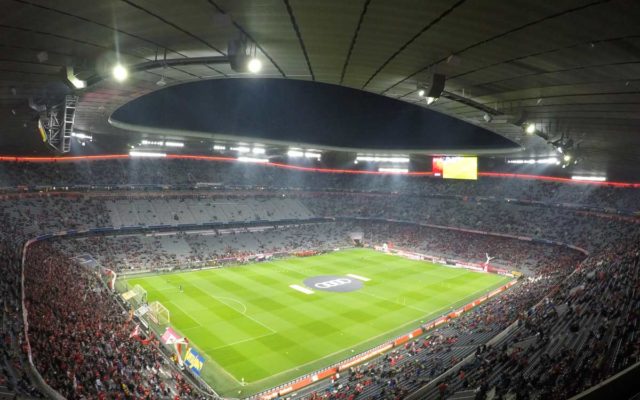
455, 167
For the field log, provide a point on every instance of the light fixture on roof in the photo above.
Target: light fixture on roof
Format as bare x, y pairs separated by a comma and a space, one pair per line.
530, 129
75, 82
436, 87
393, 170
295, 153
312, 155
120, 73
382, 158
589, 178
146, 142
242, 56
254, 65
487, 117
147, 154
421, 92
82, 136
253, 160
241, 149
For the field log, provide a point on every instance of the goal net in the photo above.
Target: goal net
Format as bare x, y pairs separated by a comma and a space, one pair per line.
136, 295
159, 313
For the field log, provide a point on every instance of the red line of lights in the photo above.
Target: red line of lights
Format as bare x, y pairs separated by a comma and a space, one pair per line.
313, 169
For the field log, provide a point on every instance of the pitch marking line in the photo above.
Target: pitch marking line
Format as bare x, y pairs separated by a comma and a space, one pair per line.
358, 277
240, 341
430, 317
243, 314
301, 289
220, 299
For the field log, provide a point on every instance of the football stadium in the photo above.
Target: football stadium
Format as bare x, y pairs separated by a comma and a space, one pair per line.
331, 200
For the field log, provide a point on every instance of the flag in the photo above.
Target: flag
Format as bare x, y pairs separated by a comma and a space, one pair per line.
136, 332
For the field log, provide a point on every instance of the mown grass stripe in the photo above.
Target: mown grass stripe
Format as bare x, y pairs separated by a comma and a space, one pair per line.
250, 324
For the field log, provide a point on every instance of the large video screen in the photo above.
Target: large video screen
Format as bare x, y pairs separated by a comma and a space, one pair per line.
456, 167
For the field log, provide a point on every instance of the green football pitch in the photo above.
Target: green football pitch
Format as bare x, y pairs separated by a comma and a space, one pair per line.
256, 331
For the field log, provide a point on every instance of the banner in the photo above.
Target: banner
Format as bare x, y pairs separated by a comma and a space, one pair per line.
171, 337
194, 361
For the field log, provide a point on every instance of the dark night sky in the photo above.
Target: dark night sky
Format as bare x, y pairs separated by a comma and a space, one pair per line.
304, 112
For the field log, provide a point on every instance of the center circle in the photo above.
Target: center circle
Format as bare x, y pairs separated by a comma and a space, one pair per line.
333, 283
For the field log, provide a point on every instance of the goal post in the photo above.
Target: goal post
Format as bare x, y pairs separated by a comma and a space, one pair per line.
159, 314
136, 296
140, 295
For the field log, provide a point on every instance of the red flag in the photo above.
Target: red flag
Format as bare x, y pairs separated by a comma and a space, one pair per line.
136, 332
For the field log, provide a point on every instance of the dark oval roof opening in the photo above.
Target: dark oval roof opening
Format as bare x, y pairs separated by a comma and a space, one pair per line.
287, 111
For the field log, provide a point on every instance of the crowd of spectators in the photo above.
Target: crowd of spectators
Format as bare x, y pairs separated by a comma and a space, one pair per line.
80, 336
188, 173
542, 222
142, 252
581, 335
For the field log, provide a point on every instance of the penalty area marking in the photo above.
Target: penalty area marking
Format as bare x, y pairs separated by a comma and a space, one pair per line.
221, 300
358, 277
301, 289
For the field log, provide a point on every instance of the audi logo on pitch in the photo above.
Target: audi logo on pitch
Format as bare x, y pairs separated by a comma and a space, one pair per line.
332, 283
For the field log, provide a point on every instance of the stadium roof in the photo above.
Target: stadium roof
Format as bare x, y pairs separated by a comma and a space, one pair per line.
571, 67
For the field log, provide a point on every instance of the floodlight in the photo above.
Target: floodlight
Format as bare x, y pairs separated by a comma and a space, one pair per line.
393, 170
295, 153
589, 178
254, 65
71, 78
146, 154
252, 159
530, 129
120, 73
